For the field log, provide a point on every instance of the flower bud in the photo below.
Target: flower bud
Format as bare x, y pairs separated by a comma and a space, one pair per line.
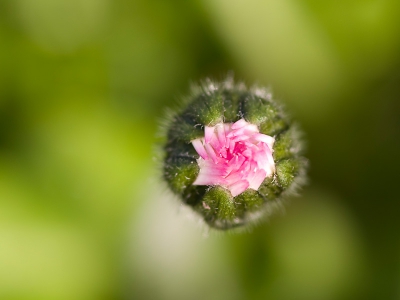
231, 153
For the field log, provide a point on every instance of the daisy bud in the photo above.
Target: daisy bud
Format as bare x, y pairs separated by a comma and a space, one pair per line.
231, 153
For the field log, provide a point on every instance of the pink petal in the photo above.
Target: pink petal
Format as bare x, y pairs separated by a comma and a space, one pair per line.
215, 143
222, 152
271, 166
238, 187
239, 124
251, 128
235, 156
210, 151
247, 130
247, 153
246, 167
205, 179
214, 170
268, 155
240, 138
208, 133
265, 139
199, 147
235, 163
231, 146
221, 134
271, 161
257, 179
227, 129
233, 177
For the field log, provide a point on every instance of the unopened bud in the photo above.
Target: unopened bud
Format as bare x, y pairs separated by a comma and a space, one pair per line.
231, 153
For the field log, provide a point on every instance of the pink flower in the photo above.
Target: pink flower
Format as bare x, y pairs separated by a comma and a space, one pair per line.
236, 156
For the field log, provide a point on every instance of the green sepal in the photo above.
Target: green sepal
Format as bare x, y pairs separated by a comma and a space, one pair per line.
176, 148
180, 172
248, 201
185, 129
270, 189
193, 194
266, 114
218, 206
233, 105
257, 110
274, 127
206, 109
286, 171
283, 146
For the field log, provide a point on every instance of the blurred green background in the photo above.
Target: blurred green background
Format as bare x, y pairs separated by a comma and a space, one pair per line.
83, 213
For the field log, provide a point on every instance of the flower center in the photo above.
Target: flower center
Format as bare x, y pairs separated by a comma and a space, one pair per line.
234, 155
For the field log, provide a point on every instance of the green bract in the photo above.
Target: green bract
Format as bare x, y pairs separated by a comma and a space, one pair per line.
214, 104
